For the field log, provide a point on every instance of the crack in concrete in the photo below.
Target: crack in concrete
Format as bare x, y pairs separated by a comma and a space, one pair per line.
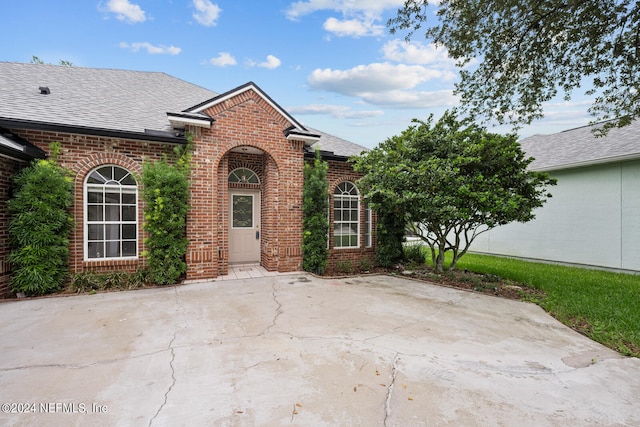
278, 309
394, 372
171, 348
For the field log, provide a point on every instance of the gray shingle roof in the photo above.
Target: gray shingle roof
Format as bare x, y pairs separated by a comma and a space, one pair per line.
337, 146
108, 99
580, 147
130, 101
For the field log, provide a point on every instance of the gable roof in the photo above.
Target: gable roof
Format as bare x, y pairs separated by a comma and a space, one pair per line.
334, 148
121, 103
580, 147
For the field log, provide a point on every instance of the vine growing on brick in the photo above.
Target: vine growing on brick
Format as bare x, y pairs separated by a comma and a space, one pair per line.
39, 226
166, 196
315, 223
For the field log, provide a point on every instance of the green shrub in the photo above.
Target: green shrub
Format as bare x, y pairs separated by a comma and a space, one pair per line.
365, 264
390, 229
415, 253
89, 281
166, 196
315, 223
344, 266
39, 226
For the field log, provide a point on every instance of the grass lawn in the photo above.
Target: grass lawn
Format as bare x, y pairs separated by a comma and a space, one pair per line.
605, 306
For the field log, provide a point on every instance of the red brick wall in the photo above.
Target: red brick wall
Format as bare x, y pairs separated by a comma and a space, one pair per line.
246, 120
81, 154
7, 168
337, 173
250, 121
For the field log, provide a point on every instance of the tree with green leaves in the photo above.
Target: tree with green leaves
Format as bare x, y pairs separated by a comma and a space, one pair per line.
451, 181
529, 50
39, 226
315, 224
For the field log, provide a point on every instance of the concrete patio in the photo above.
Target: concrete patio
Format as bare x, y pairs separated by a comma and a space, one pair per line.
298, 350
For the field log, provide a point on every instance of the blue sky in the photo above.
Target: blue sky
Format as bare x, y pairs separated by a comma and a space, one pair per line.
330, 63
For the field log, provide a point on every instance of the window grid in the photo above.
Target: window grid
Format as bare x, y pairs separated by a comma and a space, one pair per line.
346, 216
111, 219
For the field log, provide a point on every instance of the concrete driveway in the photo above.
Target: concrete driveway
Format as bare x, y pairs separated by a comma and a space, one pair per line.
297, 350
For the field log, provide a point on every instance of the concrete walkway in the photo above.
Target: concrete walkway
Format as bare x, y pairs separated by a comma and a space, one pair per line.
297, 350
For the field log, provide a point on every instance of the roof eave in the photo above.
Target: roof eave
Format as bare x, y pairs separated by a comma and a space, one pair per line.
595, 162
168, 137
178, 120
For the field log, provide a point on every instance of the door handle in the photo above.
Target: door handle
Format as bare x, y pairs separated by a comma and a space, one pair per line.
257, 235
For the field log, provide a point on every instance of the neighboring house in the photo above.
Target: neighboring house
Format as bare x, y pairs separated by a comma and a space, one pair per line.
248, 153
593, 217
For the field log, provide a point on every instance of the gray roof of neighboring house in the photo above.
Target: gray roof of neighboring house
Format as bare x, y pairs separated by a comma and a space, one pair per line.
580, 147
105, 100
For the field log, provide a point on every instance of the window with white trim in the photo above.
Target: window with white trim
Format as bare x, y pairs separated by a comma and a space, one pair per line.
111, 214
346, 216
367, 226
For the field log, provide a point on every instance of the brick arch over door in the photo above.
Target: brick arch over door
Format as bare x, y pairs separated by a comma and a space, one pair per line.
268, 172
81, 169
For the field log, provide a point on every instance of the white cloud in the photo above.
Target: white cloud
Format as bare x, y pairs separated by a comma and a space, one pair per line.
126, 11
416, 53
359, 17
337, 111
206, 13
352, 27
223, 59
151, 49
270, 63
386, 84
380, 77
345, 7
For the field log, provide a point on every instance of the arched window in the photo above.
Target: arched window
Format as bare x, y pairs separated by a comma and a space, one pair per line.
243, 176
111, 214
346, 216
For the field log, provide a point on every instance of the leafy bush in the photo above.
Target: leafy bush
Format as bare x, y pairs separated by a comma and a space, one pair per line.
390, 229
39, 226
344, 266
315, 223
415, 253
166, 195
89, 281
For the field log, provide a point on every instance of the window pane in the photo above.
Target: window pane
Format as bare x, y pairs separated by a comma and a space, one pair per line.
128, 198
129, 248
353, 241
94, 197
94, 213
96, 249
129, 180
112, 213
113, 249
128, 213
112, 231
96, 232
119, 173
242, 211
112, 198
107, 172
129, 231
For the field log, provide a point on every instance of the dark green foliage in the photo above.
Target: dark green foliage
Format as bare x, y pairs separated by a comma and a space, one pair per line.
315, 223
89, 281
528, 51
449, 182
390, 230
166, 196
39, 227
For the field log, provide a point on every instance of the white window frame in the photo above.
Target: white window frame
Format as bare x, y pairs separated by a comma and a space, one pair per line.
368, 227
110, 186
346, 191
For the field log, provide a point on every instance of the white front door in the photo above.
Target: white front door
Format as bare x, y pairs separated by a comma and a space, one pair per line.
244, 226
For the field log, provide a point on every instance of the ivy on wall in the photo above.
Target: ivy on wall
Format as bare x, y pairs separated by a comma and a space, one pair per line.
315, 223
166, 195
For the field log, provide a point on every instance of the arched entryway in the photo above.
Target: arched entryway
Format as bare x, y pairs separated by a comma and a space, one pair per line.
249, 205
244, 216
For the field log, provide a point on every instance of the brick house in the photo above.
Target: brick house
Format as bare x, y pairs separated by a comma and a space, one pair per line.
248, 154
